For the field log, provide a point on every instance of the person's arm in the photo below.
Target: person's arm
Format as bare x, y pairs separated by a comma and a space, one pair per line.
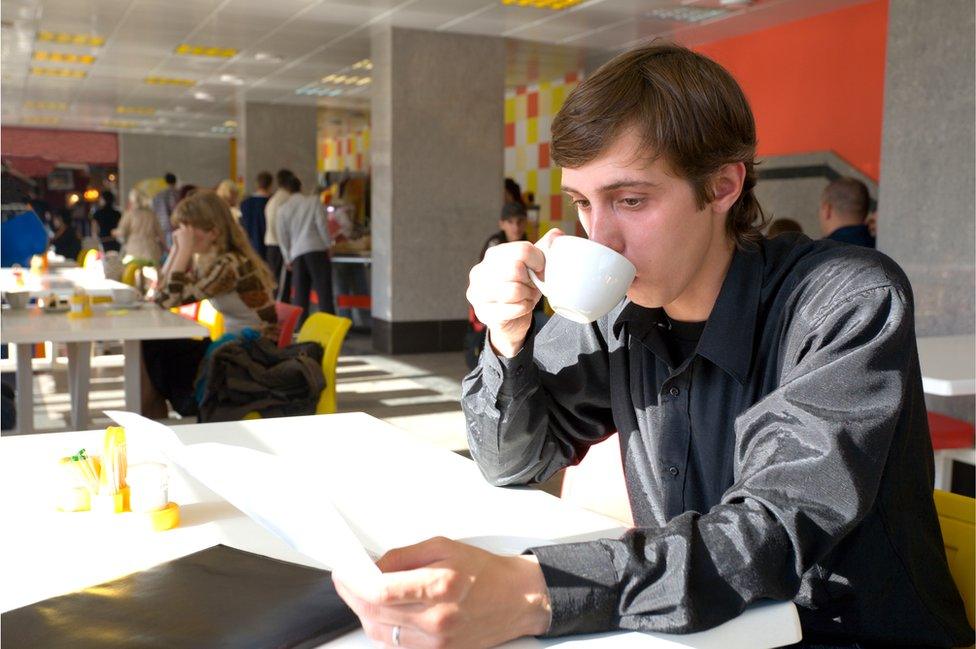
322, 224
809, 459
282, 231
178, 286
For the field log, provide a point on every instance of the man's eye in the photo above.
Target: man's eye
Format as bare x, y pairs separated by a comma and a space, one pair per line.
582, 204
632, 202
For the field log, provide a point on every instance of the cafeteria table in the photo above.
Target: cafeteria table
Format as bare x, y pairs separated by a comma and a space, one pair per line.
392, 488
130, 324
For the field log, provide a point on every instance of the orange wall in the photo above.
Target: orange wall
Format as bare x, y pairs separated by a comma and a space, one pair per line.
815, 84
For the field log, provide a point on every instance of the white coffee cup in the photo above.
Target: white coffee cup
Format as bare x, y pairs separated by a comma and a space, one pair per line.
584, 280
17, 299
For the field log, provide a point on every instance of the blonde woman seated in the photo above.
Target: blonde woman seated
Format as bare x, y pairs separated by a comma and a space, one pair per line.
139, 230
211, 259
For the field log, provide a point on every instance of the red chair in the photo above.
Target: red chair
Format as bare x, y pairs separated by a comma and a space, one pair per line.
288, 315
947, 434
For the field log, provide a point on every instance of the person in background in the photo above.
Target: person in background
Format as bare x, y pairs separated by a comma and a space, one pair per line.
229, 193
779, 226
163, 205
843, 209
139, 230
64, 238
303, 235
513, 192
252, 213
210, 259
40, 206
186, 190
511, 227
279, 269
766, 394
105, 220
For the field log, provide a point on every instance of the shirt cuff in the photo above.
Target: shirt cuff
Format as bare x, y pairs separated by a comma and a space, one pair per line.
582, 586
508, 376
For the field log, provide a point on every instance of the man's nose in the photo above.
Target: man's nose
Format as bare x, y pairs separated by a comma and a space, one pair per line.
604, 230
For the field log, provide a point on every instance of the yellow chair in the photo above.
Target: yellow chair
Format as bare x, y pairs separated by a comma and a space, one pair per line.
329, 331
211, 318
81, 256
132, 269
957, 517
90, 259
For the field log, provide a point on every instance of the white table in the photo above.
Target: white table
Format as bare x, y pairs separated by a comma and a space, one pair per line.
400, 491
60, 281
948, 365
26, 327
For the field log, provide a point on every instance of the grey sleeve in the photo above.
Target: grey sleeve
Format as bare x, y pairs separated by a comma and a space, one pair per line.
534, 414
809, 460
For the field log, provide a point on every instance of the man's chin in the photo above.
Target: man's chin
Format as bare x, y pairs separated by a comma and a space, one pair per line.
645, 299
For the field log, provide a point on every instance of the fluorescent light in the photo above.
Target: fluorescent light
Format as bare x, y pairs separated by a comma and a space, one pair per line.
63, 57
230, 124
42, 120
206, 50
64, 73
135, 110
169, 81
53, 106
201, 95
555, 5
686, 14
267, 57
70, 39
232, 79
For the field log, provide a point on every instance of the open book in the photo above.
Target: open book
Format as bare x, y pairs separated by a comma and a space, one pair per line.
267, 489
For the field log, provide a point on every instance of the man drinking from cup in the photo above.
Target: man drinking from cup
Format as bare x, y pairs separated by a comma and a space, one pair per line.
766, 393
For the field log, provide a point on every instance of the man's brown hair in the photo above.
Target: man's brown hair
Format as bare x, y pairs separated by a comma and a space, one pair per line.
686, 108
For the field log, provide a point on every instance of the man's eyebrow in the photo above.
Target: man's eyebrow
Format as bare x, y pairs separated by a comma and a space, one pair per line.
620, 184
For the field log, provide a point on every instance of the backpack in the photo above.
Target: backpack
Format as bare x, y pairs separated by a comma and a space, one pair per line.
249, 375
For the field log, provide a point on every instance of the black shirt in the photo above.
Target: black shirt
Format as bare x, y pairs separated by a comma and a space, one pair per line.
680, 338
859, 235
788, 458
108, 219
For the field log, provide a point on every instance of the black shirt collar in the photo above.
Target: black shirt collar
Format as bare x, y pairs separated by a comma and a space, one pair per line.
730, 331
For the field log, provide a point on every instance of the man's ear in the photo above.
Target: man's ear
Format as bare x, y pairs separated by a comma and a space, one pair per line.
727, 186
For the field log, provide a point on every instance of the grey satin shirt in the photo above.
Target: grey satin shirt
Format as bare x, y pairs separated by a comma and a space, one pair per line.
788, 458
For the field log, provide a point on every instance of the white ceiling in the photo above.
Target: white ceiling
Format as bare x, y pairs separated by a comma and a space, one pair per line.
287, 44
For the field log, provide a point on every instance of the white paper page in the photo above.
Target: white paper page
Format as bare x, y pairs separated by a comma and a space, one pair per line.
272, 491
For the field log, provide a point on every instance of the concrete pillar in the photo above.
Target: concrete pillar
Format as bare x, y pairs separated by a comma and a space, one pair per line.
925, 203
200, 161
276, 136
438, 168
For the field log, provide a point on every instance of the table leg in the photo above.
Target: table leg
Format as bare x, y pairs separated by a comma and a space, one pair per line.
132, 375
25, 389
79, 376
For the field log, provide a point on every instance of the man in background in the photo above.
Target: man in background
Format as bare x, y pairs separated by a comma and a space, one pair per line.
252, 213
106, 219
843, 210
279, 270
163, 205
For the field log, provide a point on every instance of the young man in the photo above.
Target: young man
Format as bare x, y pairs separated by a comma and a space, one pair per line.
766, 393
843, 213
511, 227
163, 205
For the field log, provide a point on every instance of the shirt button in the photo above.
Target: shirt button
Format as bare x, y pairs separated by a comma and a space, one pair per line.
674, 392
519, 370
673, 470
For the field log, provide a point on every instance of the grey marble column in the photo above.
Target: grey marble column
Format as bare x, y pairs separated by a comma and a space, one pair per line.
201, 161
276, 136
437, 159
925, 205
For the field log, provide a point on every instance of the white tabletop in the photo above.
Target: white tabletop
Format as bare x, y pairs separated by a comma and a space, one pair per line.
948, 365
400, 490
60, 281
107, 322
